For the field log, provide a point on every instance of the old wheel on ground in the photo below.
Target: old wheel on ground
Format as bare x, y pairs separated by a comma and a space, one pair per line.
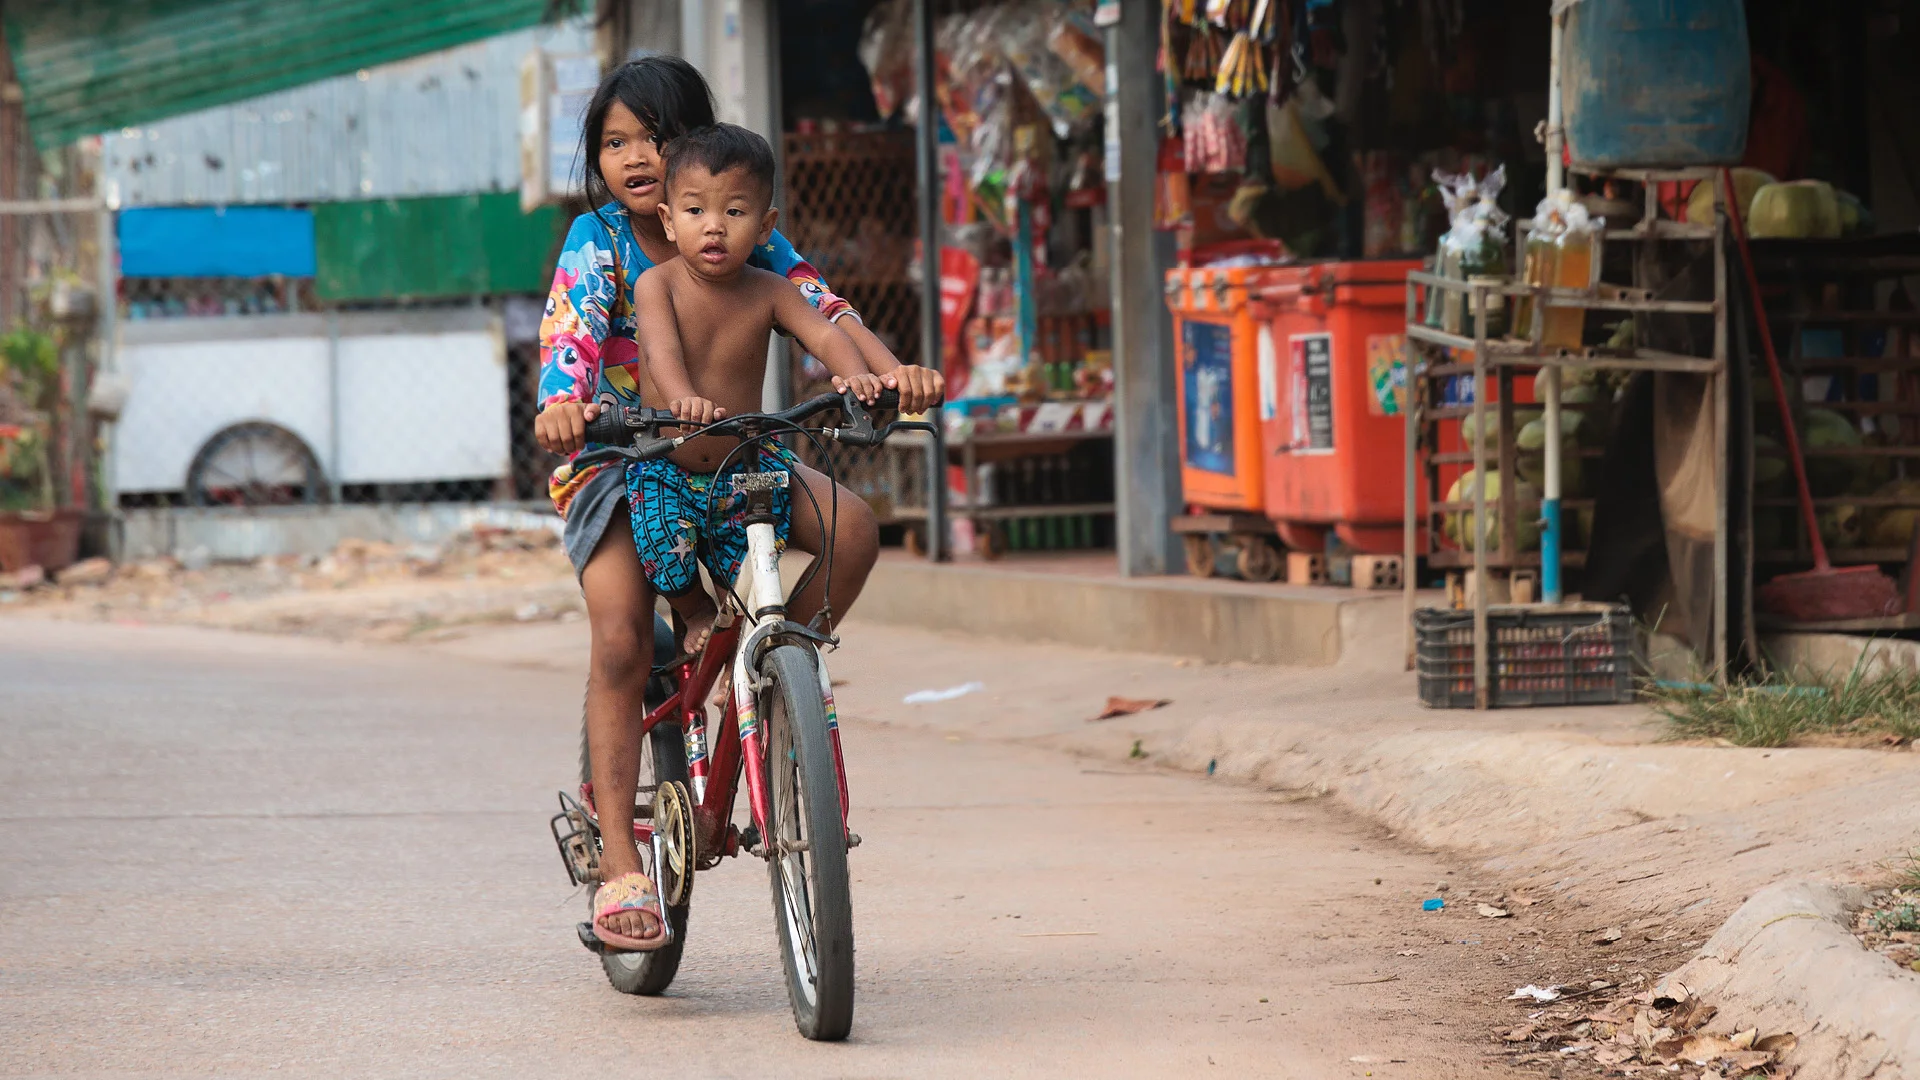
808, 838
1199, 548
663, 758
1257, 560
255, 464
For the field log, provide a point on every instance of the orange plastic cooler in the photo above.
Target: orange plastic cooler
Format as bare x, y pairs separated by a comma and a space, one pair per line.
1333, 387
1215, 385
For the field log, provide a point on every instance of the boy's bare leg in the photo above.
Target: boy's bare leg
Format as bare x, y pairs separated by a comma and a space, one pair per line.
856, 545
697, 613
620, 618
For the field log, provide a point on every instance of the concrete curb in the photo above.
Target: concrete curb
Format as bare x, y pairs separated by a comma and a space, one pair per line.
1786, 961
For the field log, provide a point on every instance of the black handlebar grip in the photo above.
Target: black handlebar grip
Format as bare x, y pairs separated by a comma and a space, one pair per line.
609, 428
888, 399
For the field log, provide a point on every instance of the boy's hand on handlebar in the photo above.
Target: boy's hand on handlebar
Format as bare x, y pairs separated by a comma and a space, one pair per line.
561, 428
921, 388
866, 387
696, 410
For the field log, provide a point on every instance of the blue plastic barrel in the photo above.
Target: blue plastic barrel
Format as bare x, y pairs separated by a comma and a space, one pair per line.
1656, 82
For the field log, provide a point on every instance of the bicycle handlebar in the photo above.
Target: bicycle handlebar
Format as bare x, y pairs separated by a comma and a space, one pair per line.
633, 432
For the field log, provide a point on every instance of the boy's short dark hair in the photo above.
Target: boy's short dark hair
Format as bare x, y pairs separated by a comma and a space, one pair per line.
720, 148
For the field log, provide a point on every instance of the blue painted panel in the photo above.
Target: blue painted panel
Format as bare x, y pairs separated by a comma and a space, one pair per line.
1206, 374
234, 241
1656, 82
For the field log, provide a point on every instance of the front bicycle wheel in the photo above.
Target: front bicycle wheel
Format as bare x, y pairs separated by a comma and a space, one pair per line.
663, 758
812, 905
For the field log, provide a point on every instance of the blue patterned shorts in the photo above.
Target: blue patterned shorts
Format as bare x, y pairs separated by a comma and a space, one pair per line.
680, 517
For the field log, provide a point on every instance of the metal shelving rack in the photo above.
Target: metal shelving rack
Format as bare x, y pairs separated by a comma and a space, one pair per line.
1434, 355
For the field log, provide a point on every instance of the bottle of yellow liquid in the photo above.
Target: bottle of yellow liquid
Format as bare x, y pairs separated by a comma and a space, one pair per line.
1536, 265
1572, 269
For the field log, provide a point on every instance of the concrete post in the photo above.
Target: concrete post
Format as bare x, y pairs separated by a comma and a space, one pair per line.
1146, 426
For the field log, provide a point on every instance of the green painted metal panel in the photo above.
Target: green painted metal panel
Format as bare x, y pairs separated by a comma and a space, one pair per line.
457, 245
88, 66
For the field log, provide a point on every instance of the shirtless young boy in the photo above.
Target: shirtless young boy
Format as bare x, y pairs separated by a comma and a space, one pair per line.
703, 324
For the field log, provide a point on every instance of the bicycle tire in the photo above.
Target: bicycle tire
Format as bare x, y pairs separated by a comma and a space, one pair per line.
648, 973
810, 888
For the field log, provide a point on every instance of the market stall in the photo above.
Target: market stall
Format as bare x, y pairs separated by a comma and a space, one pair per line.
1023, 278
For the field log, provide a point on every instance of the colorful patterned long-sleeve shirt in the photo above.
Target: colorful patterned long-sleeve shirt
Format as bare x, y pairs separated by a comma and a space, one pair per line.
587, 339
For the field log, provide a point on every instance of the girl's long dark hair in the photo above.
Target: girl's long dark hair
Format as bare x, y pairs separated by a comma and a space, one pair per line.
665, 92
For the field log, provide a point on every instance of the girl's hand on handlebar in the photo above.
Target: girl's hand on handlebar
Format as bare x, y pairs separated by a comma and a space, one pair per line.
696, 410
561, 428
866, 387
921, 388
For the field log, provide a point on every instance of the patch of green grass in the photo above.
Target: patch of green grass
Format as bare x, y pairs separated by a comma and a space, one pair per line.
1906, 871
1781, 710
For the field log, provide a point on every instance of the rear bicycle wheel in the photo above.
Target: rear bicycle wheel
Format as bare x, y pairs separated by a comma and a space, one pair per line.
663, 758
812, 904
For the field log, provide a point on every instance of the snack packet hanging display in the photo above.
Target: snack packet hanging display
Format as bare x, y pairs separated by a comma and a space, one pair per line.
1211, 132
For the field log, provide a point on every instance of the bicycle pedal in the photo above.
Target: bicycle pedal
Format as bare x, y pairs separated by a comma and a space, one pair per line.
590, 939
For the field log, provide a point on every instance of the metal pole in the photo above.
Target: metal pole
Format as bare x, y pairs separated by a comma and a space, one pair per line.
1550, 535
1481, 686
927, 157
1721, 420
107, 326
1146, 425
1410, 559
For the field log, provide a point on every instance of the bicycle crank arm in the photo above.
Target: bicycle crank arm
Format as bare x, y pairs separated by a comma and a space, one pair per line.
659, 890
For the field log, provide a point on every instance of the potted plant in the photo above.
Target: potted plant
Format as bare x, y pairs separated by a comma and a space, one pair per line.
32, 531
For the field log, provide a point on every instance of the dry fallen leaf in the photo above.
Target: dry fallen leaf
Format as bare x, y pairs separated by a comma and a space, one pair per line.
1614, 1055
1488, 911
1521, 1033
1743, 1040
1120, 706
1694, 1014
1703, 1049
1778, 1044
1608, 936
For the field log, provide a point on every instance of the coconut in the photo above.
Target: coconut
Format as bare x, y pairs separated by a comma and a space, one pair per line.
1840, 526
1828, 430
1746, 183
1458, 529
1521, 417
1801, 210
1892, 526
1771, 475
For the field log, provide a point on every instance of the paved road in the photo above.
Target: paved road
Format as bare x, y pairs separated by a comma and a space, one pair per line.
224, 854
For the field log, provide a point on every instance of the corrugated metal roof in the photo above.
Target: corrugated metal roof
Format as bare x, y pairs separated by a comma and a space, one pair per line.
442, 124
94, 65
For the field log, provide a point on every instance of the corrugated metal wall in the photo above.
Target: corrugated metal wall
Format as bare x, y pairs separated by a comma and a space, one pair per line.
442, 124
93, 65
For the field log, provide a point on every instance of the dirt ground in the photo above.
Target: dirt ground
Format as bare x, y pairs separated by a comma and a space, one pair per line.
1596, 910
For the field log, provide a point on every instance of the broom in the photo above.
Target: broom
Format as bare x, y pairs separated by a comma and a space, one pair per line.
1825, 592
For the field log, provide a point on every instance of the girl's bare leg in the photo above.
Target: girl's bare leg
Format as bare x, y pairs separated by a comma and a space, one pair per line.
620, 617
856, 545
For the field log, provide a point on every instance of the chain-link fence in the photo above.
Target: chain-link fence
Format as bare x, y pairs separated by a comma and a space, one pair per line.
850, 209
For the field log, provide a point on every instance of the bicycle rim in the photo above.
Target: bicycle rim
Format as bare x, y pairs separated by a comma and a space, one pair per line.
811, 902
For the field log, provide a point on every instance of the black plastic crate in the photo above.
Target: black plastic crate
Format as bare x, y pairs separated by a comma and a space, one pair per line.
1574, 655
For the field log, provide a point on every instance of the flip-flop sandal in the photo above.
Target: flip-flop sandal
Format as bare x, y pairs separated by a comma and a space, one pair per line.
628, 892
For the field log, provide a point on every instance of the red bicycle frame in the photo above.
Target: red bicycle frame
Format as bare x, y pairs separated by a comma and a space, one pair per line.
719, 757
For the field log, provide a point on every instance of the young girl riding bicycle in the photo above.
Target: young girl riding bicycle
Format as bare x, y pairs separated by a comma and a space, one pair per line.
589, 349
